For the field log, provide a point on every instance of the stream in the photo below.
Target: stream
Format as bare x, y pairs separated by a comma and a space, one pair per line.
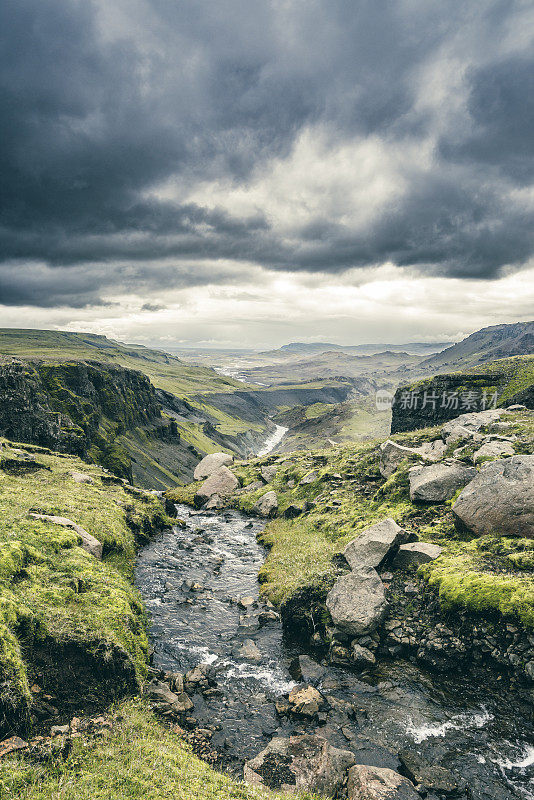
192, 579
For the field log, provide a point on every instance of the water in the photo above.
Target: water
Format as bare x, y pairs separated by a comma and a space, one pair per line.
191, 578
274, 439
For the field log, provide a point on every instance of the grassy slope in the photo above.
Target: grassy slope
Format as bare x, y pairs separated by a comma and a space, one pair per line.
140, 760
483, 575
49, 586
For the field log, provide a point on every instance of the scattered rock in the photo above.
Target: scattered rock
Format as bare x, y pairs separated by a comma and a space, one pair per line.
415, 553
268, 473
81, 477
470, 423
493, 449
438, 482
221, 483
357, 602
211, 464
305, 701
392, 454
248, 652
309, 478
378, 783
374, 544
500, 499
89, 542
267, 505
215, 503
300, 764
361, 655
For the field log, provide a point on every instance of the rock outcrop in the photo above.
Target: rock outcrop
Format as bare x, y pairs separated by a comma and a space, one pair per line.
500, 499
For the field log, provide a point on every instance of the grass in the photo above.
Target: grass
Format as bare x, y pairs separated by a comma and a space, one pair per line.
50, 589
138, 760
474, 574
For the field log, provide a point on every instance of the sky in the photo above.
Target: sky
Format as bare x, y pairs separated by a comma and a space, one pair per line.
245, 173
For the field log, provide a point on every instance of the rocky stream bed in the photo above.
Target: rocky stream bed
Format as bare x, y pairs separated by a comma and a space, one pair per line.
199, 583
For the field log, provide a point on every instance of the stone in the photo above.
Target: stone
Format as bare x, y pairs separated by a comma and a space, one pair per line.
493, 449
222, 483
267, 505
439, 482
471, 422
374, 544
392, 454
11, 745
517, 407
357, 602
309, 478
374, 755
215, 503
81, 477
88, 542
305, 701
210, 464
433, 451
268, 473
500, 499
294, 510
59, 730
432, 777
415, 553
300, 764
378, 783
361, 655
248, 652
306, 669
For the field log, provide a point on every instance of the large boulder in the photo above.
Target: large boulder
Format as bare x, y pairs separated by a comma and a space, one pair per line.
378, 783
392, 454
305, 701
300, 764
267, 505
222, 482
439, 482
415, 554
210, 464
357, 602
470, 423
500, 500
374, 544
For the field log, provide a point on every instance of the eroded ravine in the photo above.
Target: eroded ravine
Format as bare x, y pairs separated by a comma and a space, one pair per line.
192, 578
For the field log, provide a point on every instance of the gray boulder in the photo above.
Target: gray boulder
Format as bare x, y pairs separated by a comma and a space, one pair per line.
374, 544
500, 500
210, 464
309, 478
300, 764
415, 554
471, 422
268, 473
362, 655
392, 454
357, 602
438, 482
222, 482
88, 542
495, 448
378, 783
267, 505
248, 652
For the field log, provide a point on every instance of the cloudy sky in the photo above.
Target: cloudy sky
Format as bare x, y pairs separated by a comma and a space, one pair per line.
251, 172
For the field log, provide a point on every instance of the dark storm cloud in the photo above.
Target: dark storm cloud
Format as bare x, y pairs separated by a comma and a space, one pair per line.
97, 109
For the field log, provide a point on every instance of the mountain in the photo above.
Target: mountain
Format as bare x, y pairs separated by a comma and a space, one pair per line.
487, 344
413, 348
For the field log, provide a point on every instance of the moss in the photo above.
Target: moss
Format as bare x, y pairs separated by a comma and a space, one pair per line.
52, 589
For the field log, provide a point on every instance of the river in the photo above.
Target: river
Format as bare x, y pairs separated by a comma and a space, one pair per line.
192, 577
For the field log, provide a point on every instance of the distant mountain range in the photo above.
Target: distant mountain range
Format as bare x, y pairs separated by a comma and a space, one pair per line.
412, 348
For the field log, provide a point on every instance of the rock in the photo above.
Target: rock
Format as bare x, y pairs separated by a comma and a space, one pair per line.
433, 451
378, 783
11, 745
246, 601
267, 505
268, 473
374, 755
59, 730
215, 503
361, 655
470, 423
517, 407
432, 777
222, 483
300, 764
248, 652
415, 554
439, 482
88, 542
500, 499
392, 454
374, 544
210, 464
305, 701
81, 477
309, 478
493, 449
306, 669
357, 602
